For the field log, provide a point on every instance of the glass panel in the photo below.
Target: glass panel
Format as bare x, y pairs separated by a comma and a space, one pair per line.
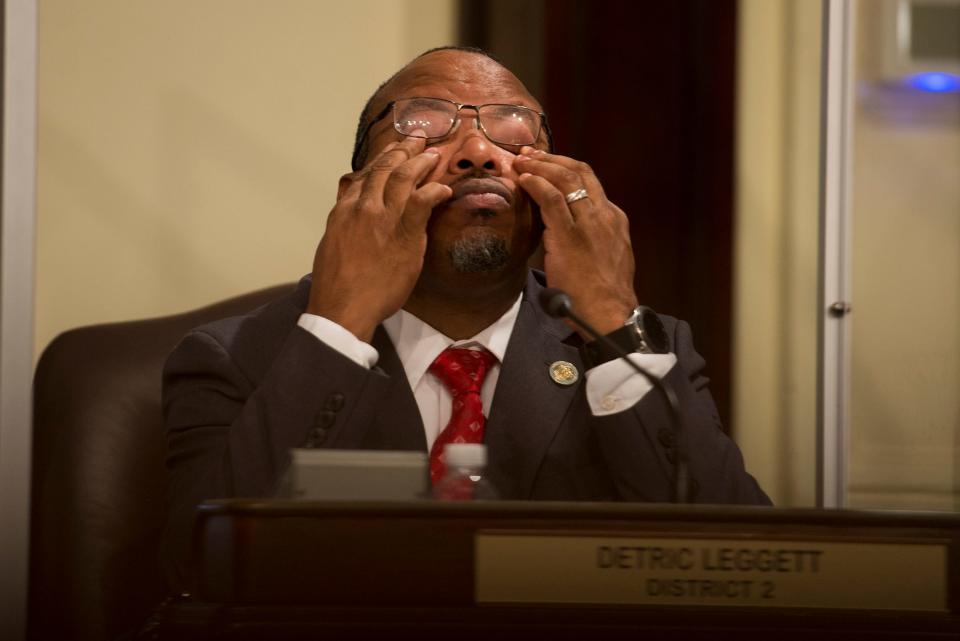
905, 360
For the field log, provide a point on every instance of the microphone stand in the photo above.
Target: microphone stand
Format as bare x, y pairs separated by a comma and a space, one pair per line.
557, 303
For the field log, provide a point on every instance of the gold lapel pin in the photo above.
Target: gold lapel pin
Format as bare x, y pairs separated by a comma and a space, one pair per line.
564, 373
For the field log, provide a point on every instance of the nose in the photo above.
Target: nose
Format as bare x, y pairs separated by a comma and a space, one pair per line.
473, 151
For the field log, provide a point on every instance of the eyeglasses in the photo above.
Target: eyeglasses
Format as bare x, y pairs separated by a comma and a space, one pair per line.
512, 125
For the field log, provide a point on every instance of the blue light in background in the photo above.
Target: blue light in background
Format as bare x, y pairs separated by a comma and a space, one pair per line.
935, 82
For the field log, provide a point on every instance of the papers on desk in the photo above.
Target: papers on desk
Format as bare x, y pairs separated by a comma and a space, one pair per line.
356, 475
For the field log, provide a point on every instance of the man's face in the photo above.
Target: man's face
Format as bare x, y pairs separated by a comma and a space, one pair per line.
488, 224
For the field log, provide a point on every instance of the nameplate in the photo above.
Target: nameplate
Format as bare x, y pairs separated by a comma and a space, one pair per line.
557, 568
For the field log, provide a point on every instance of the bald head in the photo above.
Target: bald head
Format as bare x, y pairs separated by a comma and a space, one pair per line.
453, 70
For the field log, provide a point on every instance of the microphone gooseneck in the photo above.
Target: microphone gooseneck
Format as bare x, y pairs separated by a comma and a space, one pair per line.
556, 303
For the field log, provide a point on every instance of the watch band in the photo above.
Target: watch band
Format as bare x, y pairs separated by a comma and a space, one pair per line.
642, 332
597, 352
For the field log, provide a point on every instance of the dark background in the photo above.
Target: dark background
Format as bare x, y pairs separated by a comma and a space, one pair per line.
644, 93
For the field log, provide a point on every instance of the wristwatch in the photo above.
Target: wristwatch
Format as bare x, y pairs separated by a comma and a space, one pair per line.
641, 332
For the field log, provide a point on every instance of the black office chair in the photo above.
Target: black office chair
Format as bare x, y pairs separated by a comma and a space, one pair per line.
98, 473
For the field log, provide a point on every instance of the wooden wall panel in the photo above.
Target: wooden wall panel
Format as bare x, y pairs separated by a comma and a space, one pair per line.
644, 92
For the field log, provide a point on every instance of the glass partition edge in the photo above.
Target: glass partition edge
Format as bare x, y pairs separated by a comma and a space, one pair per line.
835, 307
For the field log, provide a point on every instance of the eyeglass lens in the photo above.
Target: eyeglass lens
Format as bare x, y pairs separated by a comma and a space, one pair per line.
505, 124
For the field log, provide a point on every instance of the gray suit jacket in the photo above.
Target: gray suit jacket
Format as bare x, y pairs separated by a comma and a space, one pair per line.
239, 393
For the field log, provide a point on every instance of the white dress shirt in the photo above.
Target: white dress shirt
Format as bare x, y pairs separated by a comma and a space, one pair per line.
611, 387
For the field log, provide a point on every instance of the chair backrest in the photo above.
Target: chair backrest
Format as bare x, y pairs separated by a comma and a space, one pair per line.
99, 479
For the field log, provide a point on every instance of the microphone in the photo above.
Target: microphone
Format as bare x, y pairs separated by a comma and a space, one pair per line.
557, 304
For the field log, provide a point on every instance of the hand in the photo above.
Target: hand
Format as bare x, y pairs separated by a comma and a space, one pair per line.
371, 254
586, 243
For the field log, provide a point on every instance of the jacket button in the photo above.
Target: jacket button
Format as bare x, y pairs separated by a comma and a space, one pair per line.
665, 436
315, 438
334, 402
326, 418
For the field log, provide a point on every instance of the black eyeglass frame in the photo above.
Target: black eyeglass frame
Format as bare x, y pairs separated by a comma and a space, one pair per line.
544, 125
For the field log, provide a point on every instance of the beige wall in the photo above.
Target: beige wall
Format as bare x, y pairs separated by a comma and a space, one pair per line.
905, 360
775, 245
189, 149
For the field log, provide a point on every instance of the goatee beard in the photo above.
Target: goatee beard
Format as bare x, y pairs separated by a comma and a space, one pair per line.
484, 252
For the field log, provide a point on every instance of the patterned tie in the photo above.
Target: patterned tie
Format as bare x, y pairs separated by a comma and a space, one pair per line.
462, 372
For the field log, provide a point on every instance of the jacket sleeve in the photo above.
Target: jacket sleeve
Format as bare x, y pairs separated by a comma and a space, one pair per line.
228, 437
715, 464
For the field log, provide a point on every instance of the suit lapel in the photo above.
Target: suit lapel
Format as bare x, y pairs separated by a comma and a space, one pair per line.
397, 424
528, 406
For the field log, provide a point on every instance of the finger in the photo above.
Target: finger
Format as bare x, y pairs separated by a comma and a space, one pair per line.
405, 178
380, 169
354, 179
386, 149
588, 179
566, 181
420, 205
564, 178
553, 207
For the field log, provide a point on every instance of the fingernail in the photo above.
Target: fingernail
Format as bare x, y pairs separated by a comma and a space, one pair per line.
538, 152
432, 150
525, 175
419, 133
523, 157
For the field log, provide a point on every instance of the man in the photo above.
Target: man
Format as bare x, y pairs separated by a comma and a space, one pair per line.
452, 191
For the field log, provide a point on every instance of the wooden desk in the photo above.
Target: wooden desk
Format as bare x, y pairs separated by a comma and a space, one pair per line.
287, 569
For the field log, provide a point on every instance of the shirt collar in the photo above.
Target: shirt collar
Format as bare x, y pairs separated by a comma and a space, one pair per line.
418, 344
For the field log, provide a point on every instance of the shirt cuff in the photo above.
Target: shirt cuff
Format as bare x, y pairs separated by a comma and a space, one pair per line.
614, 386
340, 339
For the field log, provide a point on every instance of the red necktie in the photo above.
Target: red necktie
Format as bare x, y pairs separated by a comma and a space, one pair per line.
462, 372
